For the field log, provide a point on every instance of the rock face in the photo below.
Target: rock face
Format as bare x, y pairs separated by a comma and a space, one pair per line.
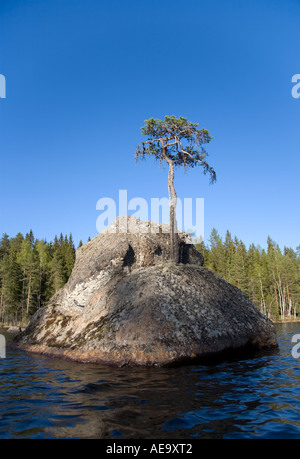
126, 304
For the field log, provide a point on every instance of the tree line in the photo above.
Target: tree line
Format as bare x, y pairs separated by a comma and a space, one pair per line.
31, 271
270, 278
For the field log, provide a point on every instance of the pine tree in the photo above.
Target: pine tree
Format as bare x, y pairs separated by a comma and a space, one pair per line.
31, 271
4, 251
28, 260
175, 142
13, 282
256, 283
58, 271
44, 285
217, 258
239, 265
4, 245
230, 249
69, 256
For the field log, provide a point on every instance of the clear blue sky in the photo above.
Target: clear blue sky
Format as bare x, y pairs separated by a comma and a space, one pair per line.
83, 75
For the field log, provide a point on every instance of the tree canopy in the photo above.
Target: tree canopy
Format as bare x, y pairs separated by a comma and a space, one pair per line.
179, 139
179, 142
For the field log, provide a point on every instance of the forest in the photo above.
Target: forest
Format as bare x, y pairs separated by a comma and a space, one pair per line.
32, 270
270, 277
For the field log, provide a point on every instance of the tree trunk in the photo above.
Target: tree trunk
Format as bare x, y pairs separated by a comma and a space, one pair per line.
173, 235
262, 297
1, 300
40, 289
276, 297
172, 206
28, 296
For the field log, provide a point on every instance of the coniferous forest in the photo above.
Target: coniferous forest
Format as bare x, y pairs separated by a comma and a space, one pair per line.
32, 270
270, 278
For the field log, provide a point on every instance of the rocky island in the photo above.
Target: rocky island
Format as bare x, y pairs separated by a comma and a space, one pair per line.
126, 304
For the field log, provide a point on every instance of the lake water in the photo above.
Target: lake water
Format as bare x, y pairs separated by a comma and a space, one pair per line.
257, 397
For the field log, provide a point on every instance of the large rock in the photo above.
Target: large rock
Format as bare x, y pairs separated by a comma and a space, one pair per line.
125, 303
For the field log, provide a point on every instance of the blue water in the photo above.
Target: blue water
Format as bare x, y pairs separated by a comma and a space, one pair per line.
257, 397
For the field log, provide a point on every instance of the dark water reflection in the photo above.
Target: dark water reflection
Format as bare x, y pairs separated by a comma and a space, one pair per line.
258, 397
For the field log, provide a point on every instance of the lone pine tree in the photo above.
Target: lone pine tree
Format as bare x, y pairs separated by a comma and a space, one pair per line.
178, 142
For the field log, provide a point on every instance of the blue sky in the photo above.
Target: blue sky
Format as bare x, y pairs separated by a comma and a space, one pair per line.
83, 75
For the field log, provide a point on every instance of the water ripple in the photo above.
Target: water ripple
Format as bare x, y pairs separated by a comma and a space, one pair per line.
257, 397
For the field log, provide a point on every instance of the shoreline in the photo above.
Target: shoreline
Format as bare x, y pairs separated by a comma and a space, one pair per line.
286, 321
121, 359
275, 321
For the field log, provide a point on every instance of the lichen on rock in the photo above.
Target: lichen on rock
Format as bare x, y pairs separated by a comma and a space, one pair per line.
126, 304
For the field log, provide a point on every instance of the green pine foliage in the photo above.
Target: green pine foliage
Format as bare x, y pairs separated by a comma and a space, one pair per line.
31, 271
270, 278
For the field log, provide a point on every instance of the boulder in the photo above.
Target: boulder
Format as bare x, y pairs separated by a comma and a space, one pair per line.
126, 304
